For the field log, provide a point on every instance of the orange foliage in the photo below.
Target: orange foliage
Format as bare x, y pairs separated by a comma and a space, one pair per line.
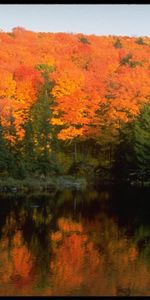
92, 87
67, 225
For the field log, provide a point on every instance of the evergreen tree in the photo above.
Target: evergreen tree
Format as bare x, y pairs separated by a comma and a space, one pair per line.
28, 148
84, 40
132, 152
124, 156
43, 130
142, 138
140, 41
3, 151
117, 44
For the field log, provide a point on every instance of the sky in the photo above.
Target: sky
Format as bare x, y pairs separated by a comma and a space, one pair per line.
101, 19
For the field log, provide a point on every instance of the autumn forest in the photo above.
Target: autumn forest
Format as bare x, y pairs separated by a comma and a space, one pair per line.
74, 104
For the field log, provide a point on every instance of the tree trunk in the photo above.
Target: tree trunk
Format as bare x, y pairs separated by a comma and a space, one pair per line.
75, 151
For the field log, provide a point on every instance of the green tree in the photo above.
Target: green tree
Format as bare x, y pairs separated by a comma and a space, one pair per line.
117, 44
124, 155
84, 40
133, 150
28, 148
127, 60
142, 138
3, 151
43, 130
140, 41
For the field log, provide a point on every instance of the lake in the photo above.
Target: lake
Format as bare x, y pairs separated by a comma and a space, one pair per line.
75, 243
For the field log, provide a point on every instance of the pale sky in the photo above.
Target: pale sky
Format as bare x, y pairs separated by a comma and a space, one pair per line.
101, 19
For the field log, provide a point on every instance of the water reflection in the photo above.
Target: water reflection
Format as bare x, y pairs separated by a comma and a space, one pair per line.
74, 243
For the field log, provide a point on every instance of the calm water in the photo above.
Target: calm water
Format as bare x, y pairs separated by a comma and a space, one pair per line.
95, 242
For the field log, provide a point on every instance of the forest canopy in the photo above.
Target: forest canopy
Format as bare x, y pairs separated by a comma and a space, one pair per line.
70, 103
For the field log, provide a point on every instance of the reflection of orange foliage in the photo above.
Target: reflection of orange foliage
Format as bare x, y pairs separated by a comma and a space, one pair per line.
133, 253
22, 260
101, 261
68, 265
122, 266
74, 258
17, 239
68, 225
56, 236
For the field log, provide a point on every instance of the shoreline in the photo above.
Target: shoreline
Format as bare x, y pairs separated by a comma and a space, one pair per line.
49, 184
59, 183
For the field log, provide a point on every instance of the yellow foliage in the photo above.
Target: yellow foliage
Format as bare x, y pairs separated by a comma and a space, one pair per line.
70, 133
7, 85
56, 121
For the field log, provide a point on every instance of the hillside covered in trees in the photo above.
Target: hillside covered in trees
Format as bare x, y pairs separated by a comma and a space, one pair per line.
74, 104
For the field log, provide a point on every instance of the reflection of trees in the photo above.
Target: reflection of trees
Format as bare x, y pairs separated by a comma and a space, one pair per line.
142, 240
125, 270
16, 266
95, 258
36, 235
54, 250
27, 234
72, 254
22, 260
